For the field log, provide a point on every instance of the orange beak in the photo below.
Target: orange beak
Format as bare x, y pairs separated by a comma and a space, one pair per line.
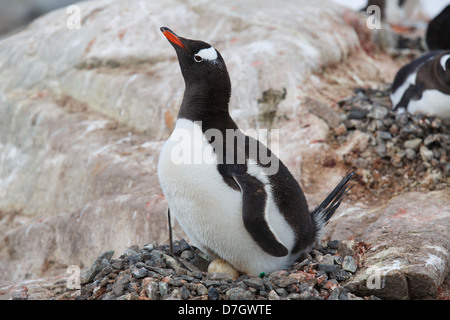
172, 37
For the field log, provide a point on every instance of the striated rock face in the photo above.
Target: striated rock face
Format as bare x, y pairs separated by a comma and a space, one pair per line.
84, 112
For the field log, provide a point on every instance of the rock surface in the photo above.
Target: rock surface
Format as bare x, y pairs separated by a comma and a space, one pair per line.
409, 256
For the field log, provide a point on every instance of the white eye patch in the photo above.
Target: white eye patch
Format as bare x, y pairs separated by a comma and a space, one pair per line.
207, 54
444, 61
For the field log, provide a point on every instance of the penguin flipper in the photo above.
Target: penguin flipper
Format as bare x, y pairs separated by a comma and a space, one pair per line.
414, 92
254, 199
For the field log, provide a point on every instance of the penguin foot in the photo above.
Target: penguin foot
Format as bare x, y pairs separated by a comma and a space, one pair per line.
222, 266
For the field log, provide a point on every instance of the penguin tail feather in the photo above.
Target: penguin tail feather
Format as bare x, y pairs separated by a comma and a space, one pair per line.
323, 212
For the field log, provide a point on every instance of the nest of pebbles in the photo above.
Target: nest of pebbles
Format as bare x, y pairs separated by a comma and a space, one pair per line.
154, 273
403, 152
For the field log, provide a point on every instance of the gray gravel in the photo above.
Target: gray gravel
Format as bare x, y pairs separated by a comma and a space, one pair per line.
153, 272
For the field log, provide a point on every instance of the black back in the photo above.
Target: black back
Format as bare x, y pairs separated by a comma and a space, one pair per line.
438, 32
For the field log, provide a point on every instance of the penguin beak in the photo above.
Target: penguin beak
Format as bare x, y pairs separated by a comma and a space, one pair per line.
172, 37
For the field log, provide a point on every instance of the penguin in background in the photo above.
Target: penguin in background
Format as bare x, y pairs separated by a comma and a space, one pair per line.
225, 196
437, 36
396, 11
423, 85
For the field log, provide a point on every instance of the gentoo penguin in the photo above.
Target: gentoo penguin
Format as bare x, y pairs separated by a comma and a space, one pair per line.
221, 192
423, 85
438, 31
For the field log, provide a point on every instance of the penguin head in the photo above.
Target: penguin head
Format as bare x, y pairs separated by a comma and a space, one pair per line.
201, 64
444, 66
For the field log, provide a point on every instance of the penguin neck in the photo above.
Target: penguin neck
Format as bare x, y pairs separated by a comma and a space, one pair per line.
201, 102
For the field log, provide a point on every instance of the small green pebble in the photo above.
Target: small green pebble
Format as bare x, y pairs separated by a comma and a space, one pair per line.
262, 275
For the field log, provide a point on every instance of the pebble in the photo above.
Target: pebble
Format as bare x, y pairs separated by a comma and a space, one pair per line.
402, 119
338, 260
282, 292
340, 130
120, 284
381, 148
281, 278
357, 113
328, 268
410, 154
118, 264
333, 244
256, 283
239, 293
328, 259
384, 135
176, 282
340, 275
184, 292
139, 273
349, 264
378, 113
213, 294
152, 289
163, 288
187, 255
426, 154
335, 294
201, 290
293, 296
413, 144
162, 271
150, 246
273, 295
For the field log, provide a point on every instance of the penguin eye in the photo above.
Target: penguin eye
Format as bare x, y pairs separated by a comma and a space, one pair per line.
198, 58
445, 62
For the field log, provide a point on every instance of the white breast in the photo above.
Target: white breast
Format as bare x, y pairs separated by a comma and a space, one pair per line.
433, 102
208, 210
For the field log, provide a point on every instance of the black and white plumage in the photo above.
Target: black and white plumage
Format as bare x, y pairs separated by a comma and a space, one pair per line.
423, 85
437, 36
238, 211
